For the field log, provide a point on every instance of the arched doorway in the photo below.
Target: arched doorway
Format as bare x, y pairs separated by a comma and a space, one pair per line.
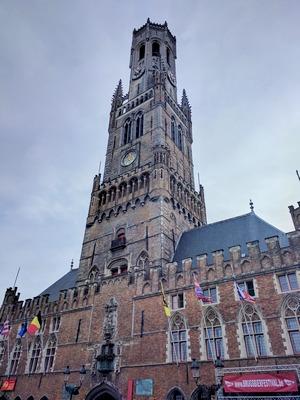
104, 391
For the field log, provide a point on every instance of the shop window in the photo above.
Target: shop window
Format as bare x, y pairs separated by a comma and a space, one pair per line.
288, 282
177, 301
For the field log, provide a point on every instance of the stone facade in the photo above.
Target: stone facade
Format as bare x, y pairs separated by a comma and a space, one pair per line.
113, 314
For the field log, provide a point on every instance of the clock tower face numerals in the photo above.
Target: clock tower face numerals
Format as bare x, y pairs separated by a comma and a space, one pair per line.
128, 158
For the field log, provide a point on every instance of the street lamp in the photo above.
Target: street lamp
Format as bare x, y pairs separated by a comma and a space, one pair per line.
70, 389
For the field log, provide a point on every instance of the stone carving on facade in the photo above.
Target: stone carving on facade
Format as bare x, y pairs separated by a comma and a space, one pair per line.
110, 320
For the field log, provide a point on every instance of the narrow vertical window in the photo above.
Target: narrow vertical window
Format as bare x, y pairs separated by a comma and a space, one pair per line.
213, 335
139, 126
142, 52
179, 137
35, 356
127, 132
173, 130
78, 331
16, 354
178, 339
50, 354
168, 55
292, 321
254, 338
155, 49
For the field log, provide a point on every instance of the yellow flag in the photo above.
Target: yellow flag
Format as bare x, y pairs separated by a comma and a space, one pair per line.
167, 309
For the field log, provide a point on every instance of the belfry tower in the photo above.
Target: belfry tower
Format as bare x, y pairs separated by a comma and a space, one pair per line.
147, 197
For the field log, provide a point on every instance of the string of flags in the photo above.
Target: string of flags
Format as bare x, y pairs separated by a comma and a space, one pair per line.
243, 295
32, 328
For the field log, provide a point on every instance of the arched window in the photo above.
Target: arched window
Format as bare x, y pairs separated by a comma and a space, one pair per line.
133, 185
173, 130
143, 260
127, 132
15, 357
35, 356
94, 274
292, 321
253, 333
213, 335
144, 181
139, 125
50, 353
122, 189
155, 49
175, 394
120, 233
142, 52
178, 338
179, 138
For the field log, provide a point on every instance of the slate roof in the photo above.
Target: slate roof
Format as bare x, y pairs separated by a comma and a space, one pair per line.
65, 282
224, 234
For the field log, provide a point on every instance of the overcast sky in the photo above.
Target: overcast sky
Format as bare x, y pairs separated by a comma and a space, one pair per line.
59, 64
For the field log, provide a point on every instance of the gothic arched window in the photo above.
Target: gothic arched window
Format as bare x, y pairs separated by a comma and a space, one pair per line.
142, 52
253, 333
175, 394
292, 321
213, 335
143, 260
173, 130
127, 132
155, 49
139, 125
35, 356
50, 353
15, 357
179, 137
94, 274
178, 338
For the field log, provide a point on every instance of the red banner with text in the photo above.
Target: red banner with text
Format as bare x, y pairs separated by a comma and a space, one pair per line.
250, 383
8, 384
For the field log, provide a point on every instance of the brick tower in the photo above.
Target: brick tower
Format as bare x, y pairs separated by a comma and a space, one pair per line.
147, 197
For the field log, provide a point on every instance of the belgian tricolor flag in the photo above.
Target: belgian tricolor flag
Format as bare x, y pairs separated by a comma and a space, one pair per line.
35, 324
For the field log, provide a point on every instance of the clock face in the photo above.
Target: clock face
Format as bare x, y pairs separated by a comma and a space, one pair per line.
128, 158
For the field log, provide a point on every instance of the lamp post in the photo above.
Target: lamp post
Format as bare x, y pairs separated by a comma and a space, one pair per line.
70, 389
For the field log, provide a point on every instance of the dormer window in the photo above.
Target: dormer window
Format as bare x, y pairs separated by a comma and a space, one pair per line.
142, 52
155, 49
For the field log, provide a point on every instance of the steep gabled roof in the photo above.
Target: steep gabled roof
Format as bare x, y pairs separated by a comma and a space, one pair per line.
224, 234
65, 282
